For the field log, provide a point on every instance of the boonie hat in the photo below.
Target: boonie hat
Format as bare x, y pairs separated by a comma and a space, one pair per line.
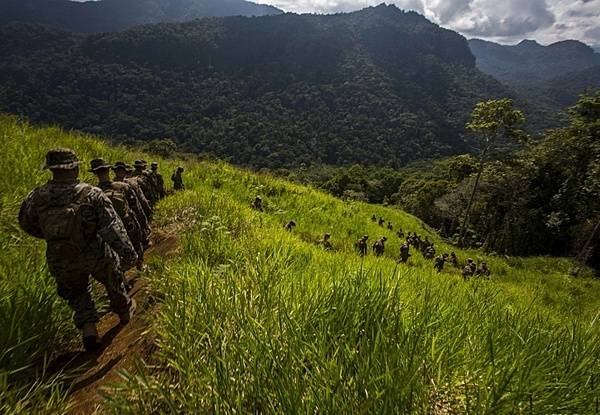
61, 158
98, 164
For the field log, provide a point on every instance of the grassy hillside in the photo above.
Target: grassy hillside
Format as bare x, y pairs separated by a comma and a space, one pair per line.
252, 318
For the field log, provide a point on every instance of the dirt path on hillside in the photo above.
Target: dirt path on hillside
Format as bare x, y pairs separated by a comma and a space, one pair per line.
121, 345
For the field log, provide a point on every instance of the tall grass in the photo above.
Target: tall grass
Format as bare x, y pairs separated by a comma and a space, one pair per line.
256, 319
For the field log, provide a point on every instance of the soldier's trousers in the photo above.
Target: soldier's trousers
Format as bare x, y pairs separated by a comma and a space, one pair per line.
76, 288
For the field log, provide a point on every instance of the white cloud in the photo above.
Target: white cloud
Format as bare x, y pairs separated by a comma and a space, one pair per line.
504, 21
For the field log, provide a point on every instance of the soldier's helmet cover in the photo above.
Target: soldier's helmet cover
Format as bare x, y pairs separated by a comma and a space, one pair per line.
139, 163
61, 159
98, 164
154, 165
121, 165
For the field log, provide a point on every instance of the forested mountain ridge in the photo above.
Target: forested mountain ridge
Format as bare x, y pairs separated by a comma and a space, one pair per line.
553, 76
380, 86
529, 61
111, 15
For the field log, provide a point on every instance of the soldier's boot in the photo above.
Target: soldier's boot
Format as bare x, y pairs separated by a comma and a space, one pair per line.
90, 336
125, 317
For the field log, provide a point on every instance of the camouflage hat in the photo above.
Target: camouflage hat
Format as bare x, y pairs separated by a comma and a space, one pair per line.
365, 237
62, 159
179, 168
154, 164
121, 165
139, 163
98, 164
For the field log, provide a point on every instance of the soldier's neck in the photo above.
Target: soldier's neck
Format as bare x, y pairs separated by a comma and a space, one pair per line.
64, 176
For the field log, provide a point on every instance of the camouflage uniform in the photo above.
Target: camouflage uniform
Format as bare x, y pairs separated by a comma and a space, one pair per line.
94, 243
128, 216
158, 179
146, 182
404, 252
177, 179
148, 211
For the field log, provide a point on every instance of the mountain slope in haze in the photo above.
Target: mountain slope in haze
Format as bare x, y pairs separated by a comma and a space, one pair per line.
111, 15
553, 75
529, 61
379, 86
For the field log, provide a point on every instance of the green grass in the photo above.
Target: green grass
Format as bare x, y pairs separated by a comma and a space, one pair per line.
256, 319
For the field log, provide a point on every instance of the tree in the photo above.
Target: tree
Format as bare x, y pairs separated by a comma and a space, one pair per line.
491, 121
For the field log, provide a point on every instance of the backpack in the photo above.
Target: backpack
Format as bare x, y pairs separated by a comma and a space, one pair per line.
63, 225
119, 201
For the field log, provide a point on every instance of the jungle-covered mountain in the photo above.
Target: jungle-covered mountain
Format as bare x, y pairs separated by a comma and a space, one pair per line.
380, 86
553, 75
111, 15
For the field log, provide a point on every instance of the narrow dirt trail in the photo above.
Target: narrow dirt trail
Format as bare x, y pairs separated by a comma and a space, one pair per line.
121, 345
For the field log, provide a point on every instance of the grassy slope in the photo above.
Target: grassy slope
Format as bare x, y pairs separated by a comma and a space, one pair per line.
254, 318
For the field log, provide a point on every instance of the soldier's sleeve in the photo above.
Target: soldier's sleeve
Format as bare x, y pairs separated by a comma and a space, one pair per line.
28, 218
144, 202
136, 206
112, 231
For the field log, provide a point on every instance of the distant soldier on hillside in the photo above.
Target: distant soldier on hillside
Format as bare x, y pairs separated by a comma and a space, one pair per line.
454, 260
400, 233
379, 246
469, 269
122, 196
177, 179
483, 270
361, 245
381, 221
84, 237
290, 226
257, 204
404, 252
389, 226
439, 262
158, 179
429, 252
374, 218
326, 242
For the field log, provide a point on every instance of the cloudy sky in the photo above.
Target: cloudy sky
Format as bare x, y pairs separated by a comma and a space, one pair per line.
504, 21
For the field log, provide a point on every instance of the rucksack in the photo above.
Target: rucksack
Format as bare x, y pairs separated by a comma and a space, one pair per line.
63, 224
119, 201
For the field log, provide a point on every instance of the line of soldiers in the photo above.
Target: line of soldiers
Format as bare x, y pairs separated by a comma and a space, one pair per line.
99, 231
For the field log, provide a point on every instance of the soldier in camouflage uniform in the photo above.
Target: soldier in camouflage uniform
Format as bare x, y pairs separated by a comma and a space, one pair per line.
123, 199
122, 171
177, 179
160, 182
84, 237
146, 181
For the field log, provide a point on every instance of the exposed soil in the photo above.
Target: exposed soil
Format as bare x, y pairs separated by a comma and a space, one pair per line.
121, 346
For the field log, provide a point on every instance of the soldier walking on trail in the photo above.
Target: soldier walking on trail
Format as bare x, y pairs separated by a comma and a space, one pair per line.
177, 179
84, 236
439, 262
257, 204
145, 215
361, 245
326, 242
158, 179
381, 221
469, 269
483, 270
374, 218
290, 226
390, 227
121, 195
379, 246
145, 181
404, 252
454, 260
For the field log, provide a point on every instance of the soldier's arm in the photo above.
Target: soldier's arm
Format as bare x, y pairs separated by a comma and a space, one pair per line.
112, 231
28, 218
136, 206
